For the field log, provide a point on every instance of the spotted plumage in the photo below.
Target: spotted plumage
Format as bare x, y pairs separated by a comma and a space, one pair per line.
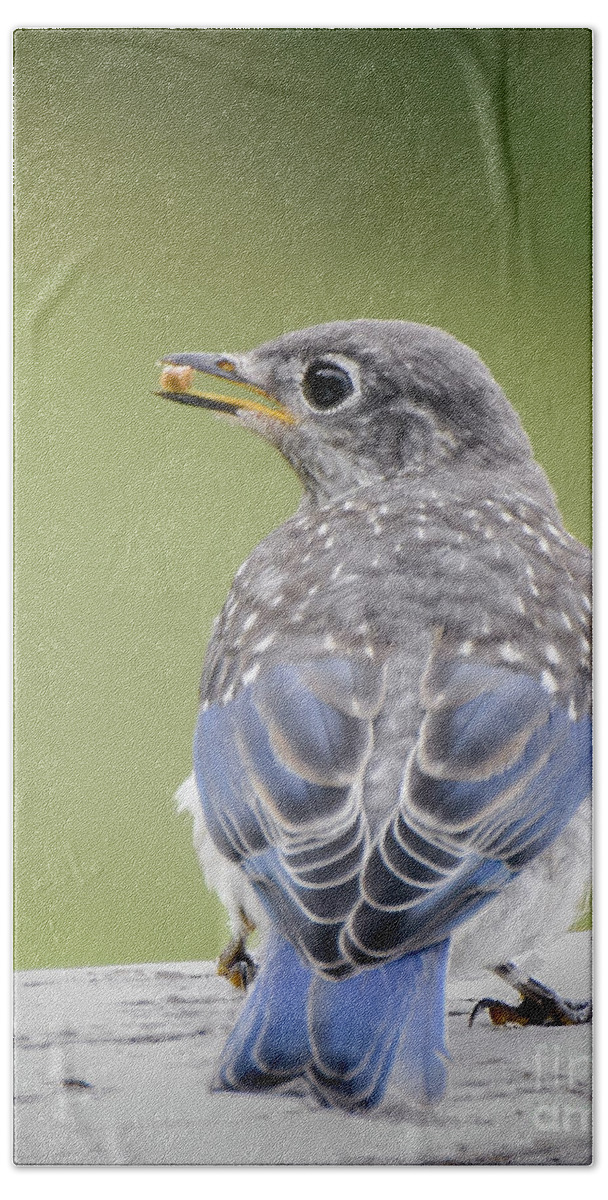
394, 718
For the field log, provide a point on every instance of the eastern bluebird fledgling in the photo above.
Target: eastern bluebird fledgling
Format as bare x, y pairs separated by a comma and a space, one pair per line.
392, 751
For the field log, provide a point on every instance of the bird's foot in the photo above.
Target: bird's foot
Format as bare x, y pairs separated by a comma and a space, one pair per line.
539, 1005
235, 963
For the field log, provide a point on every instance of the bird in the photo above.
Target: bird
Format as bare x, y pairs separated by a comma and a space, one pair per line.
392, 753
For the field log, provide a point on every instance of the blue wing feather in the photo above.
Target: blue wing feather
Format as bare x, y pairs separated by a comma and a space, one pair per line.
528, 769
315, 739
269, 804
498, 771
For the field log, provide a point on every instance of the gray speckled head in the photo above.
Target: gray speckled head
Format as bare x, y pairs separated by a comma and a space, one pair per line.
371, 399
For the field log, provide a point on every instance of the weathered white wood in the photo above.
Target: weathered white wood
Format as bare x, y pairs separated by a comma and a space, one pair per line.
114, 1065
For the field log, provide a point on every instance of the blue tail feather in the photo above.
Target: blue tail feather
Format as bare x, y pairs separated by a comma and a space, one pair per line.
346, 1036
355, 1027
420, 1070
269, 1043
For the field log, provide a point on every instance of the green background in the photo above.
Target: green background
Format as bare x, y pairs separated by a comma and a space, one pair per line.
210, 189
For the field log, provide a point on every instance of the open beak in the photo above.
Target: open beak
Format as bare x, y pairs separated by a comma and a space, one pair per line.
178, 374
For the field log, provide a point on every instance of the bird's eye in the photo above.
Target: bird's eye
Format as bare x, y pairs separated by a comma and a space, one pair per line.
325, 384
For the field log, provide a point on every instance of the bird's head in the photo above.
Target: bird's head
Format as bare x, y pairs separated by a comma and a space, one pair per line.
351, 402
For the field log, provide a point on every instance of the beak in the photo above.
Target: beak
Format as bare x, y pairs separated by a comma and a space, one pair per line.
179, 371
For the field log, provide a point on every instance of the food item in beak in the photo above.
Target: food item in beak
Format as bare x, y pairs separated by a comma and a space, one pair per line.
176, 379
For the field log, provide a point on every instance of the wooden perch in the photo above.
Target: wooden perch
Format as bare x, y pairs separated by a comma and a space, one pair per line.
114, 1065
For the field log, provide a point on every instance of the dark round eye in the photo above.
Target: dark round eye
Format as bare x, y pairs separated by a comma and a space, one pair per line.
326, 384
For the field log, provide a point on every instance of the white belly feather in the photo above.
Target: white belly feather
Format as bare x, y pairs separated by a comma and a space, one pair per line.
535, 910
221, 876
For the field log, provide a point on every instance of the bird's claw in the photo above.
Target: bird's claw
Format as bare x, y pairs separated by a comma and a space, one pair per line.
539, 1005
500, 1013
236, 965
